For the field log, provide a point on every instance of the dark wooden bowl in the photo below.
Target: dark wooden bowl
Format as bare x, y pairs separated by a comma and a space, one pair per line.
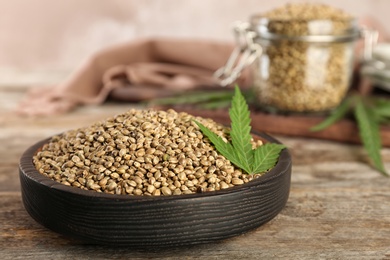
146, 221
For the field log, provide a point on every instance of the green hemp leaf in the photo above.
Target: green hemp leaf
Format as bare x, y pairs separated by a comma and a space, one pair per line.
335, 116
369, 134
207, 99
240, 151
369, 113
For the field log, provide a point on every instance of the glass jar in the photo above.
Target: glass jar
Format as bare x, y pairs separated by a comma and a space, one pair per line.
298, 65
305, 66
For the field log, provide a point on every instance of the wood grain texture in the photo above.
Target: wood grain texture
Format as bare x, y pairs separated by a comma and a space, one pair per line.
339, 207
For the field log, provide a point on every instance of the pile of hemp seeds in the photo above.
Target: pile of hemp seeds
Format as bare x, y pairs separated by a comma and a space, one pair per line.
141, 152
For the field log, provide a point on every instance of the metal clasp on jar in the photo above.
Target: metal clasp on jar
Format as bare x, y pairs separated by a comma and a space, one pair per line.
370, 37
243, 55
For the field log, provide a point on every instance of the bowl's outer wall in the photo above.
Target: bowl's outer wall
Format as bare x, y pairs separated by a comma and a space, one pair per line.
141, 221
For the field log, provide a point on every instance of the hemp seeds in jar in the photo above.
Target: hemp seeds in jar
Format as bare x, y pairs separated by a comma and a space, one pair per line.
307, 57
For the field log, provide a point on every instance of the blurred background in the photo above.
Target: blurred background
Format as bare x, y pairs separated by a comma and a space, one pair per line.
44, 40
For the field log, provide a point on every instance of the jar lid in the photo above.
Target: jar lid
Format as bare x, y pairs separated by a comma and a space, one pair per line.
322, 30
310, 22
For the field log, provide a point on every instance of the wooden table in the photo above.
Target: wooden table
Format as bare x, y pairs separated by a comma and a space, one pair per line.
339, 208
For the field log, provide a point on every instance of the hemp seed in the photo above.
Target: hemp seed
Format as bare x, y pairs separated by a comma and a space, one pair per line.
140, 152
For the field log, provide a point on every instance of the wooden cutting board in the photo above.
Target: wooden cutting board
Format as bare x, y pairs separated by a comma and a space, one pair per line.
293, 125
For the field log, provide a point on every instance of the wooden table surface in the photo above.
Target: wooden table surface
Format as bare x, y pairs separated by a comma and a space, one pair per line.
339, 208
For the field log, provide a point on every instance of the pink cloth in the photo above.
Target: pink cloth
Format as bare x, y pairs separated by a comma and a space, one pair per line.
138, 70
